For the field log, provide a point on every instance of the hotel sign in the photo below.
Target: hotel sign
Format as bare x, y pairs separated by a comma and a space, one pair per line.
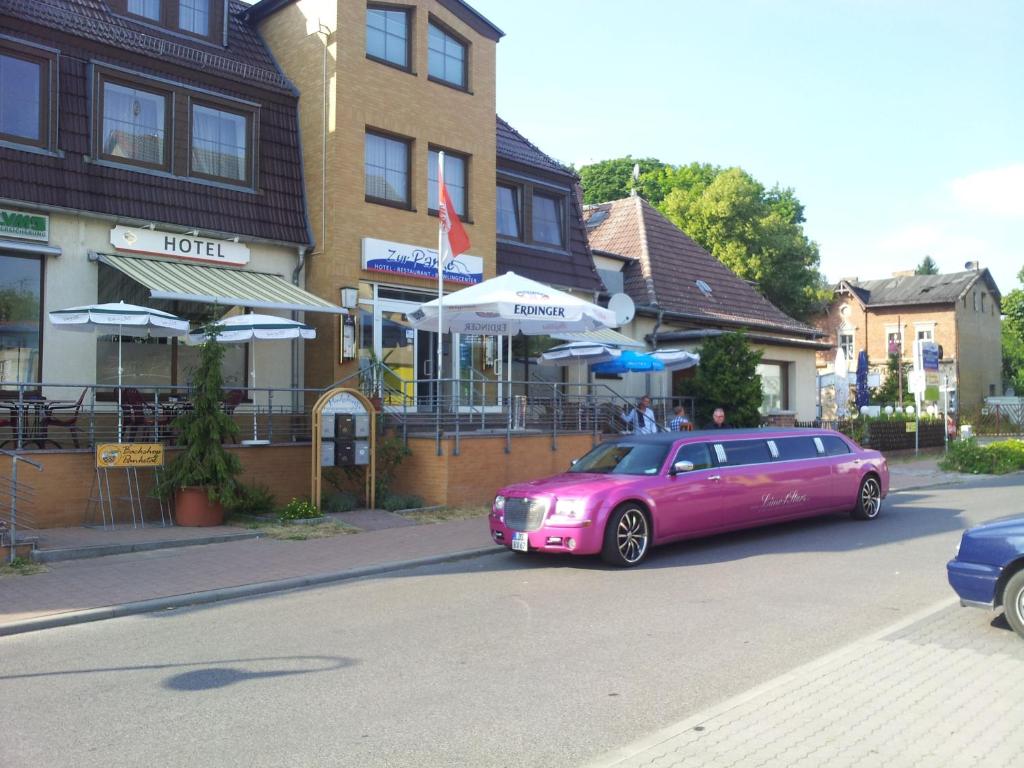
413, 261
179, 246
30, 226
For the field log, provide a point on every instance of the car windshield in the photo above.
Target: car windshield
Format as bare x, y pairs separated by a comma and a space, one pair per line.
623, 459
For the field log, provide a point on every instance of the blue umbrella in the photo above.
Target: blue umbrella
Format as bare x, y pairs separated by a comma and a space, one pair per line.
862, 380
629, 362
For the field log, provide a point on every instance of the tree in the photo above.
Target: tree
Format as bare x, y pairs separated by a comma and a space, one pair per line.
727, 378
889, 392
613, 180
758, 234
1013, 338
927, 267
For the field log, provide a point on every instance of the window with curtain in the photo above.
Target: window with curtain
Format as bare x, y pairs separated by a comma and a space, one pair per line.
446, 57
774, 386
508, 211
387, 169
21, 280
220, 143
150, 9
547, 219
454, 180
22, 99
387, 35
846, 344
134, 124
194, 16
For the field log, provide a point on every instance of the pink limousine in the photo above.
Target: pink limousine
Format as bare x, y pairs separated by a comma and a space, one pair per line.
633, 492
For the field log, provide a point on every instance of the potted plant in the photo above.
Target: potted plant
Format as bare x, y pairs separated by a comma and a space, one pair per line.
202, 477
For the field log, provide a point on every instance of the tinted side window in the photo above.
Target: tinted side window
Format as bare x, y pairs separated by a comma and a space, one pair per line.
697, 453
791, 448
746, 452
834, 446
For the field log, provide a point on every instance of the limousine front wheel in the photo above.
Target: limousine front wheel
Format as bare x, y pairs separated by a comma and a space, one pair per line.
627, 536
869, 499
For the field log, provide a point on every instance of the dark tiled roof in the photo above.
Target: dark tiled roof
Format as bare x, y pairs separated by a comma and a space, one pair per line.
245, 58
667, 265
574, 269
919, 289
69, 180
512, 145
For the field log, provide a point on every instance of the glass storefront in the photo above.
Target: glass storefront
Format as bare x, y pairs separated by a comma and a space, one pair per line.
21, 280
149, 362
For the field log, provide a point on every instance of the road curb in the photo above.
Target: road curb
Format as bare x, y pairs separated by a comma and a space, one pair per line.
102, 550
230, 593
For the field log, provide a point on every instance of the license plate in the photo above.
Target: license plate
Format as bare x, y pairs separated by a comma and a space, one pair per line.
519, 541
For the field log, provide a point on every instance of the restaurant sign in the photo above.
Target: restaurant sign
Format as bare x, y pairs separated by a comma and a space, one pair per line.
413, 261
179, 246
30, 226
121, 455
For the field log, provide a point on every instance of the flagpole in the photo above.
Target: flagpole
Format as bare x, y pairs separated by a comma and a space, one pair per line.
440, 285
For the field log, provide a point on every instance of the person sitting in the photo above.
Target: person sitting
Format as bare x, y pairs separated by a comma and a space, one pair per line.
641, 418
678, 422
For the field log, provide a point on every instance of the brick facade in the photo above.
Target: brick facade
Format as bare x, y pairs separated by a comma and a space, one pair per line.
305, 37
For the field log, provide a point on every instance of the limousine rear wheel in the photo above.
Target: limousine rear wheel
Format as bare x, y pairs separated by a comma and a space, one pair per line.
869, 499
627, 536
1013, 602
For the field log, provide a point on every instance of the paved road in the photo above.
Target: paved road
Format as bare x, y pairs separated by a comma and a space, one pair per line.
502, 661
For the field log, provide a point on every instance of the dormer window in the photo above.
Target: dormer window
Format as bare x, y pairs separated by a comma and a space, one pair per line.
148, 9
199, 18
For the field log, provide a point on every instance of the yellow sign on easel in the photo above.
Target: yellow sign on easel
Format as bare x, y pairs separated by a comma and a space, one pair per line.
110, 455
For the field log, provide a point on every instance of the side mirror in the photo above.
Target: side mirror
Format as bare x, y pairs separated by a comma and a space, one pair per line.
681, 466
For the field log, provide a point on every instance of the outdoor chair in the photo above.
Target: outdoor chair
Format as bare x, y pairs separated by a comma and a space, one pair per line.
62, 414
140, 414
232, 400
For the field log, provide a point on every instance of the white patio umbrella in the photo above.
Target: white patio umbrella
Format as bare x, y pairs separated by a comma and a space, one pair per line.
240, 329
511, 304
842, 385
578, 352
676, 359
129, 319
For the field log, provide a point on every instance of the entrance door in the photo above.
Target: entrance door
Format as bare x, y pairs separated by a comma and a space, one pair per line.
480, 372
410, 357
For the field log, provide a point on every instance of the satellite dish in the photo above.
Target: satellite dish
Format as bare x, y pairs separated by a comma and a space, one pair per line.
623, 307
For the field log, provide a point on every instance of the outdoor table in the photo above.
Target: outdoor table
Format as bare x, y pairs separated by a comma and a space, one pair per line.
27, 416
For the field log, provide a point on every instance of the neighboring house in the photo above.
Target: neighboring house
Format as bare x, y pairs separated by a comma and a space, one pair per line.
164, 129
541, 235
386, 87
684, 295
960, 312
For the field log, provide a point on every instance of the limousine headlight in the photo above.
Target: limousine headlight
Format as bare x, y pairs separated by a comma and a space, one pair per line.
499, 503
570, 509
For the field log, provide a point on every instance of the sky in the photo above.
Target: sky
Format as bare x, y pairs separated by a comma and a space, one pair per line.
898, 123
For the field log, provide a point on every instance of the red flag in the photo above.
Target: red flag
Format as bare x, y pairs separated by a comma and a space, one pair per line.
458, 240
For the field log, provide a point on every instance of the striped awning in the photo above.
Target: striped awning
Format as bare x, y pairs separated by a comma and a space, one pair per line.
175, 281
603, 336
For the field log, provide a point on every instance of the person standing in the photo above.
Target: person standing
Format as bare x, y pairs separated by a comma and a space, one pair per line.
718, 419
678, 422
641, 418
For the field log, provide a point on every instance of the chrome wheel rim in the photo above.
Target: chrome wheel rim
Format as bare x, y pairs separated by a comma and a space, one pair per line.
1020, 603
870, 497
632, 535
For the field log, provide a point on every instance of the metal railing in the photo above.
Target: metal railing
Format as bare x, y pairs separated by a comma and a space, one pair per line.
45, 415
15, 492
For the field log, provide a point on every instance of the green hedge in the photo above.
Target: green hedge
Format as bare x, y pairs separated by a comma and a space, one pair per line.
993, 459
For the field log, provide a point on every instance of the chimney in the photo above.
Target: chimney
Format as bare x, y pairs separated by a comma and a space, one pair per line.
973, 265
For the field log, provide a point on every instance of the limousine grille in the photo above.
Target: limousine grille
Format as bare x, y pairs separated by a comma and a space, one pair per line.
525, 514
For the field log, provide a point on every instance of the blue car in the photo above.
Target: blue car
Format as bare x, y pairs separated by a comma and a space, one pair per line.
988, 569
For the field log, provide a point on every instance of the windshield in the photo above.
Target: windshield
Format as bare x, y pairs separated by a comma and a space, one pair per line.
623, 459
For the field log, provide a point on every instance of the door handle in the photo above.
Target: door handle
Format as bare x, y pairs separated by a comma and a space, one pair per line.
716, 478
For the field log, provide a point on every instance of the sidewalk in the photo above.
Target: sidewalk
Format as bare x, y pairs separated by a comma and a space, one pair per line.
173, 567
911, 695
